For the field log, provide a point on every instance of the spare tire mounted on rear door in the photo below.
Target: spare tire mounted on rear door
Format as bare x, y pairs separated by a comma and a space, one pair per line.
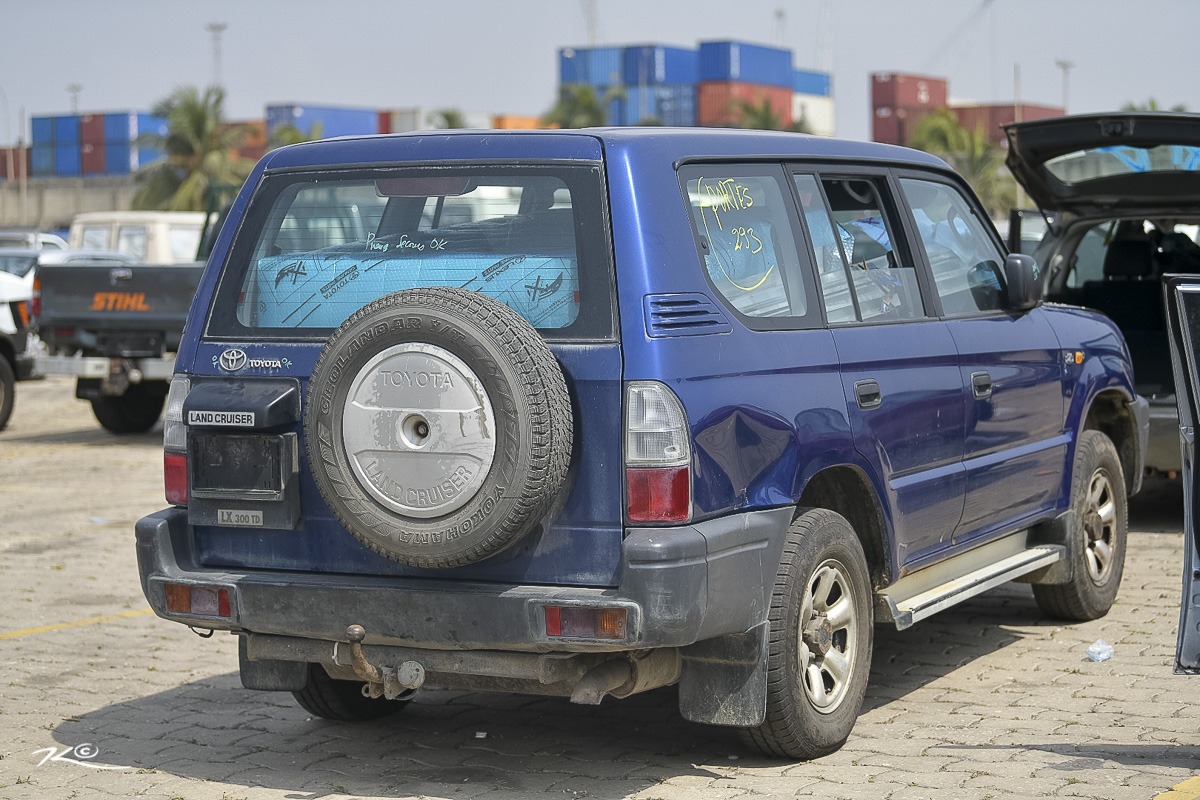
438, 426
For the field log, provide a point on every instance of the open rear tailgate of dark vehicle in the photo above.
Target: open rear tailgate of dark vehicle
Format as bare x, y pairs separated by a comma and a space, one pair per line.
142, 298
1183, 319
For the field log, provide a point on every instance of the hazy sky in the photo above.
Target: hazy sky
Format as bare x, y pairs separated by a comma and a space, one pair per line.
500, 55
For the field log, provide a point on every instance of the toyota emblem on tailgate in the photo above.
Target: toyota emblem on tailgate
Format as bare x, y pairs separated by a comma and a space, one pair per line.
232, 360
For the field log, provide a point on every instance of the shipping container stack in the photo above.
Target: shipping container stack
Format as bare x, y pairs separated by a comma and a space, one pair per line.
75, 145
660, 86
423, 118
812, 101
899, 102
14, 163
733, 74
989, 118
325, 120
601, 68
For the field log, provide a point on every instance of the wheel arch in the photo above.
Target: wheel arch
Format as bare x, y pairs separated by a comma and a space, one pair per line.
1109, 413
842, 488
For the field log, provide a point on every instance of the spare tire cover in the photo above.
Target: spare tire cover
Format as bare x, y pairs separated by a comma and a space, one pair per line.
438, 426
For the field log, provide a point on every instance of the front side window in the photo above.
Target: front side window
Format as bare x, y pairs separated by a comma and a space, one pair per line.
966, 264
746, 240
95, 237
320, 246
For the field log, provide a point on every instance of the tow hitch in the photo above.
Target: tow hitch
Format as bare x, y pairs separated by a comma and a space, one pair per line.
393, 683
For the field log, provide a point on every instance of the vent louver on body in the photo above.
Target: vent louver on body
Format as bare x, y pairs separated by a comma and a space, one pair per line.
689, 314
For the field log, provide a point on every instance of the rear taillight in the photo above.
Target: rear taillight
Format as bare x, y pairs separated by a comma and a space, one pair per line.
22, 313
658, 455
197, 601
35, 305
175, 465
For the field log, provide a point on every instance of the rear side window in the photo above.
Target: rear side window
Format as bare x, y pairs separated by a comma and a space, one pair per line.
316, 248
742, 220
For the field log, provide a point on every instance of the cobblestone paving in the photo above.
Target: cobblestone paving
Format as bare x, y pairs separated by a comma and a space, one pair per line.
987, 700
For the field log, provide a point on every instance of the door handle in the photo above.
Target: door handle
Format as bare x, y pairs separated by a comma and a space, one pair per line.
981, 385
868, 394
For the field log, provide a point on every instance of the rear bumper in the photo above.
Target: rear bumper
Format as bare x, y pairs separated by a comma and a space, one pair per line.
679, 586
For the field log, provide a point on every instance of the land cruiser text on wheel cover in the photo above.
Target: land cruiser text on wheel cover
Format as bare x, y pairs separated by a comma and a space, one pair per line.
438, 426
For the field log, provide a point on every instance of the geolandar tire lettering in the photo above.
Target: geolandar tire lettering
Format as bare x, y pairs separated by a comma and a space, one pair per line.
438, 426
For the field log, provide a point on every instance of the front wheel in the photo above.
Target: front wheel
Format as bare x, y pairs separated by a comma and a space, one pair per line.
821, 633
1101, 523
8, 391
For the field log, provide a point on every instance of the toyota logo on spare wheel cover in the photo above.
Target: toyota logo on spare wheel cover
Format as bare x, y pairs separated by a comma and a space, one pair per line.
233, 359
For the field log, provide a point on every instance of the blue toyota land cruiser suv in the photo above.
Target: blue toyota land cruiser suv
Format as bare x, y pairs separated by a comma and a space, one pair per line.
588, 413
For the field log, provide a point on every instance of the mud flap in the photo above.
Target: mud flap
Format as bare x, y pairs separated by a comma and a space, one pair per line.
271, 675
724, 680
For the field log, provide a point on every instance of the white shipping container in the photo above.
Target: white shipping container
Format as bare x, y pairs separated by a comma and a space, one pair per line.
816, 110
420, 118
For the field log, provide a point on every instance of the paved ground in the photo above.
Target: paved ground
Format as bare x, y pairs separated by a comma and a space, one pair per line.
100, 699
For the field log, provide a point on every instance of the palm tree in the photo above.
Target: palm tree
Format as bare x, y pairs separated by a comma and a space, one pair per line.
446, 118
579, 107
1151, 105
978, 160
289, 134
197, 147
761, 116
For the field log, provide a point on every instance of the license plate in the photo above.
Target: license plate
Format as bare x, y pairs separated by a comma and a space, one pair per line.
238, 465
239, 518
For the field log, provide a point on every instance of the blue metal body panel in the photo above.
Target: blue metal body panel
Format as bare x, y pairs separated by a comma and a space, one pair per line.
747, 63
767, 409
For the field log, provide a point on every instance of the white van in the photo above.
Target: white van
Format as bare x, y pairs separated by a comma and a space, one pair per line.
150, 237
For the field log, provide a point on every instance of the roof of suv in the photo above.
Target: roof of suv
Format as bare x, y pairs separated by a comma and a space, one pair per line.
673, 144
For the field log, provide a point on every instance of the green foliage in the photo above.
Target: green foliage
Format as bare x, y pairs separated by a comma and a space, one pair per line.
978, 160
447, 118
1151, 105
761, 116
579, 107
284, 135
197, 147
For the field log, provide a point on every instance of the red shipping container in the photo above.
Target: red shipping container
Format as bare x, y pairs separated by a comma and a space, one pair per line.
718, 102
896, 90
19, 157
91, 129
896, 125
91, 155
990, 118
385, 122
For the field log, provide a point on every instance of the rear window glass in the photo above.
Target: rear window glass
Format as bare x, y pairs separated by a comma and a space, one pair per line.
18, 265
316, 248
1107, 162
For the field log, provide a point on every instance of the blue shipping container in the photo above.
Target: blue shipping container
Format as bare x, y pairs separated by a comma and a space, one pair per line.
597, 66
43, 131
148, 155
41, 160
66, 131
68, 161
148, 123
119, 127
670, 105
652, 65
332, 121
118, 157
815, 83
747, 63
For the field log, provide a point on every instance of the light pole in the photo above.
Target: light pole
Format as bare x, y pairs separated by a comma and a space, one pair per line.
216, 29
1065, 66
74, 89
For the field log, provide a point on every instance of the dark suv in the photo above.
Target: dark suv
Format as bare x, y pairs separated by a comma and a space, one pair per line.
589, 413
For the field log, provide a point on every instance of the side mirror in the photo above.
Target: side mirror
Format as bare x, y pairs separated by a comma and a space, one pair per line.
1023, 279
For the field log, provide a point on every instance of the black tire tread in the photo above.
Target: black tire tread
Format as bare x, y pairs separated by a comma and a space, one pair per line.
136, 411
780, 735
1079, 600
8, 391
327, 698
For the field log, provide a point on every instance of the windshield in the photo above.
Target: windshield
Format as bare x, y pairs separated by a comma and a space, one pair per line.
18, 265
321, 247
1106, 162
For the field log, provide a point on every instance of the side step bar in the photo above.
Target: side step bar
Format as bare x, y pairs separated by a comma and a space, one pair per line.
917, 596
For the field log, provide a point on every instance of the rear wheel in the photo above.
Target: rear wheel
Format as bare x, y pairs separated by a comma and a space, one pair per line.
1101, 523
8, 391
328, 698
136, 411
821, 633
